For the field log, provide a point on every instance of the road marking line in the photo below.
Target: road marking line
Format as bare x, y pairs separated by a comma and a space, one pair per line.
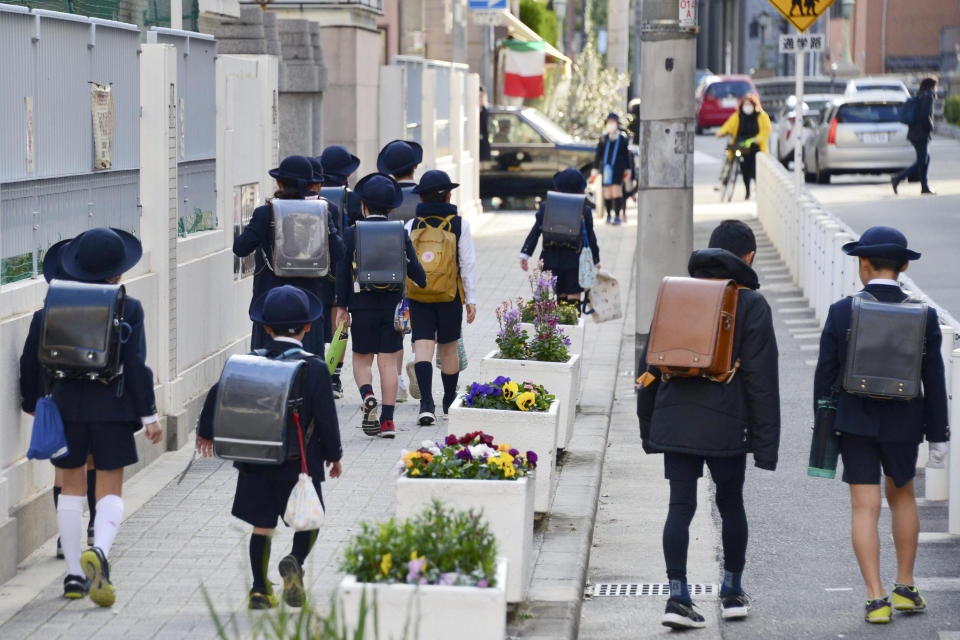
839, 589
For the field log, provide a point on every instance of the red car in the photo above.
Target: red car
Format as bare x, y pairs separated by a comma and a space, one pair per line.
717, 99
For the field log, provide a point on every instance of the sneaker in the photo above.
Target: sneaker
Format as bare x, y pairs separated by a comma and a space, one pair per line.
402, 394
337, 388
895, 184
59, 550
427, 416
292, 574
616, 221
97, 569
260, 600
387, 430
75, 587
735, 605
681, 615
878, 611
609, 221
929, 191
90, 537
370, 424
414, 386
908, 599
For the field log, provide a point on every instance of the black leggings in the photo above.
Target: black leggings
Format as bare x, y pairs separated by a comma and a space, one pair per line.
613, 205
676, 531
749, 166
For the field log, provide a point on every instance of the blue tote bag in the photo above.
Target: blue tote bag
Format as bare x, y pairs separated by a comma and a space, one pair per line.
47, 440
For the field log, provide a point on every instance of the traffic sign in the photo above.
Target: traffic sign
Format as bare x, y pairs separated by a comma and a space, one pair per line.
499, 5
799, 43
801, 13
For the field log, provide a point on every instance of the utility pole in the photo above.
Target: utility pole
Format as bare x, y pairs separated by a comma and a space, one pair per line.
668, 53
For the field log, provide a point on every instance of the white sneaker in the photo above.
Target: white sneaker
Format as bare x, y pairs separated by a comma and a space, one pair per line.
401, 389
412, 374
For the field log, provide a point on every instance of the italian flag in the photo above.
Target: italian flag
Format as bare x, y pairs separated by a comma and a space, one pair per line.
523, 69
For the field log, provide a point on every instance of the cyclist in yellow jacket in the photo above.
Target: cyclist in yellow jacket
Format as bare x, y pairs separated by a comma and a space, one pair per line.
749, 127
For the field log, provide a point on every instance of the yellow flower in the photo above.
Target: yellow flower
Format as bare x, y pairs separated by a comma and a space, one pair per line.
509, 471
525, 400
415, 472
503, 447
385, 563
510, 390
413, 555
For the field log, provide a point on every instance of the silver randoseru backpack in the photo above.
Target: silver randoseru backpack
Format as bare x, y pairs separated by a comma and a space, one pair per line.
301, 247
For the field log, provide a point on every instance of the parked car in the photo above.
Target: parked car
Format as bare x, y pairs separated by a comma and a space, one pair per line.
878, 83
783, 123
858, 134
699, 75
717, 99
526, 149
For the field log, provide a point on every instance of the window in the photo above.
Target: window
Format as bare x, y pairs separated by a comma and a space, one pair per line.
245, 199
733, 89
862, 113
507, 128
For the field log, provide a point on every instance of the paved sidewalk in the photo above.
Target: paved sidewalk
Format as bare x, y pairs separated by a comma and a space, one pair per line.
183, 540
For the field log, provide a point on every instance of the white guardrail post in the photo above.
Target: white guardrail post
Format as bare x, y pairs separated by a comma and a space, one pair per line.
937, 481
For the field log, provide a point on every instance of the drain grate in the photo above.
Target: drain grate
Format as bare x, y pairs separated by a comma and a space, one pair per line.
638, 589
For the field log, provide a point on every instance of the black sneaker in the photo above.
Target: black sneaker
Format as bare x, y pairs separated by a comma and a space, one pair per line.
427, 416
370, 424
75, 587
97, 569
337, 387
680, 615
260, 600
292, 574
735, 605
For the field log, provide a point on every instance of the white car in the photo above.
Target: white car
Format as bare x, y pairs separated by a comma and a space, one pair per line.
878, 83
858, 134
782, 131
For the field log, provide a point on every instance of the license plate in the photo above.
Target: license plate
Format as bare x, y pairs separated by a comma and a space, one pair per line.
875, 138
728, 103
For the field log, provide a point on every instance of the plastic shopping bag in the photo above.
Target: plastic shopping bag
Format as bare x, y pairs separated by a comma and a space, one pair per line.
588, 270
337, 348
304, 510
461, 354
605, 298
401, 317
47, 440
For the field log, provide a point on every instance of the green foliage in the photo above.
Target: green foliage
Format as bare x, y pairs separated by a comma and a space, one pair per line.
438, 546
474, 456
951, 110
538, 17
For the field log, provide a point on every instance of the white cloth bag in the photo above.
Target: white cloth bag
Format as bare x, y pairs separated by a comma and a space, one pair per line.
605, 298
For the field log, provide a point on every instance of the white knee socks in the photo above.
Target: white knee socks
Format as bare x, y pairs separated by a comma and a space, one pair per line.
109, 515
70, 524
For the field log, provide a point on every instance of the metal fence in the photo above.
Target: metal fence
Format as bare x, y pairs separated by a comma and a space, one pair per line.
196, 127
69, 136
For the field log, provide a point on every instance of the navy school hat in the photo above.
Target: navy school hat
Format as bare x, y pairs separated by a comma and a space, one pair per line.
52, 267
435, 181
295, 171
613, 116
569, 181
338, 163
317, 170
881, 242
99, 254
379, 192
399, 157
286, 307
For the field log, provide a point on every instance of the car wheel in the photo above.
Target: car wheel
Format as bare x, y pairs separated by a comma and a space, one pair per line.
809, 177
699, 131
823, 176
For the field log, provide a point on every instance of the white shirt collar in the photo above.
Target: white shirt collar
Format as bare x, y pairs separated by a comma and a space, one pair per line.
290, 340
884, 281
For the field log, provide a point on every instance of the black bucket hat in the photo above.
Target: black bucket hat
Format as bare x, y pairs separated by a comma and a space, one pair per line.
569, 181
399, 157
286, 307
338, 163
379, 192
317, 170
435, 181
295, 171
881, 242
100, 254
52, 267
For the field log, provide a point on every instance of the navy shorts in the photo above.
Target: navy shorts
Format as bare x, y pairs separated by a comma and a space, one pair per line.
685, 466
864, 458
110, 443
568, 281
263, 492
372, 331
440, 321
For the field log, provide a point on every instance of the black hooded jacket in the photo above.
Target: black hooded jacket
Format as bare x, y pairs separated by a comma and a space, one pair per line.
700, 417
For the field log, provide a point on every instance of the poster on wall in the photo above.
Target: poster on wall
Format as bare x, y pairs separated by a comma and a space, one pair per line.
101, 106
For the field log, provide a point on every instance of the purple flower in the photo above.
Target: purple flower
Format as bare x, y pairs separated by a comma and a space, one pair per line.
501, 380
464, 454
483, 584
447, 579
514, 452
532, 458
424, 581
414, 567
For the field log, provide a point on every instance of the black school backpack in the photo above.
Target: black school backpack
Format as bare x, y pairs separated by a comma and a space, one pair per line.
885, 348
408, 208
563, 220
380, 257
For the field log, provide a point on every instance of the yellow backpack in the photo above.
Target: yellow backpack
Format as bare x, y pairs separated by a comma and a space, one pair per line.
436, 249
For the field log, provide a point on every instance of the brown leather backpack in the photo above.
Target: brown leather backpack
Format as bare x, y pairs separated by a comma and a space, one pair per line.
693, 327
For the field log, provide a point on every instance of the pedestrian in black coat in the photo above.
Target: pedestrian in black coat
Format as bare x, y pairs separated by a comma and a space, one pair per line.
99, 419
695, 421
879, 435
294, 177
563, 261
286, 313
612, 163
919, 135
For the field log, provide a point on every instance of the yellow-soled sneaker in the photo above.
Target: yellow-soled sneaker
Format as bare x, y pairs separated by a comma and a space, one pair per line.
878, 611
908, 599
260, 600
97, 569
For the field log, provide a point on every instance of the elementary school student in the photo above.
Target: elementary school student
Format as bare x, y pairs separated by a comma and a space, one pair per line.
370, 311
286, 313
879, 435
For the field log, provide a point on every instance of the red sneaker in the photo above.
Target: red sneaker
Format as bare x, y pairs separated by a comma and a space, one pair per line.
387, 430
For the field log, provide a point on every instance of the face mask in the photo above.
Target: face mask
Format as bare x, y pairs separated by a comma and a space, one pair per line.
748, 109
611, 128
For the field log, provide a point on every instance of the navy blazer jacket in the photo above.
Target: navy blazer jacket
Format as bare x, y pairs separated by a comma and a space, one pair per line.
885, 420
87, 400
561, 258
318, 407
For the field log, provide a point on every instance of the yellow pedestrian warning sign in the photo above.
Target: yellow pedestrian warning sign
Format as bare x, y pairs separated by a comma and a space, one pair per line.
801, 13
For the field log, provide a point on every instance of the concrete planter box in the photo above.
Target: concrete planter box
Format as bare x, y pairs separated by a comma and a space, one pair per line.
428, 612
562, 379
574, 332
507, 507
523, 430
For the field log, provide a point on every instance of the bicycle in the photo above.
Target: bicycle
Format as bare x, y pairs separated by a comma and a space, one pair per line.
730, 172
